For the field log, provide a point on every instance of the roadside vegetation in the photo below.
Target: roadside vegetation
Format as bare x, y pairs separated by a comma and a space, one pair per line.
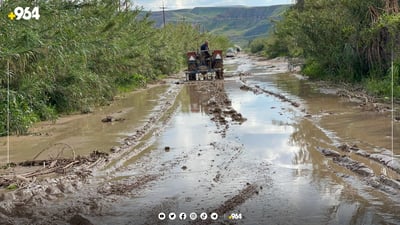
80, 54
342, 41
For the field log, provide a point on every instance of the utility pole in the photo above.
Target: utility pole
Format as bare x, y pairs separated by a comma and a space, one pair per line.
126, 5
163, 12
8, 112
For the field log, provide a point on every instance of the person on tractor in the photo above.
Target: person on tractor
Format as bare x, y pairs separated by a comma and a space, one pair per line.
204, 50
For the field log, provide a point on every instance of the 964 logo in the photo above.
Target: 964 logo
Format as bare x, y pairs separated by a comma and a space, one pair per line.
235, 216
24, 13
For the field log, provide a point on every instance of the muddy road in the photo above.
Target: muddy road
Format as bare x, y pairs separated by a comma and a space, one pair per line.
261, 147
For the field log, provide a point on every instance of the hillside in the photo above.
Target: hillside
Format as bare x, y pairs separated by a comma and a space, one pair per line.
241, 24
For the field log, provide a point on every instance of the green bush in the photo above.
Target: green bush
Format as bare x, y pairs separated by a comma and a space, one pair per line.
21, 116
313, 70
276, 48
257, 45
382, 87
341, 41
79, 90
80, 55
130, 82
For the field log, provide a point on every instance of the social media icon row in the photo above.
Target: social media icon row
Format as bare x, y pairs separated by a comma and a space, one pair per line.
183, 216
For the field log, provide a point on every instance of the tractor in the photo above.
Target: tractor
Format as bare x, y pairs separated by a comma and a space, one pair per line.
201, 67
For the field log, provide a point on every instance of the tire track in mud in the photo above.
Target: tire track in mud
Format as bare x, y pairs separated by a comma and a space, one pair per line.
384, 183
250, 190
224, 166
380, 182
260, 181
123, 151
126, 186
222, 101
144, 178
245, 193
218, 107
258, 90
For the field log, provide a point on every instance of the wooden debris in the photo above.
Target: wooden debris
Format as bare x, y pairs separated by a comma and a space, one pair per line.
59, 165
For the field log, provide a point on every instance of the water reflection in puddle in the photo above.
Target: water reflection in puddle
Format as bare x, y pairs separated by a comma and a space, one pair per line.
198, 170
273, 149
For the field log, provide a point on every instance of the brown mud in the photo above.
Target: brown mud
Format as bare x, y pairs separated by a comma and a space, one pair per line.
273, 153
358, 94
39, 186
247, 192
80, 164
257, 90
382, 182
218, 105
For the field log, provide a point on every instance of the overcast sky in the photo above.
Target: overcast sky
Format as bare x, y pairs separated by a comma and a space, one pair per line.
154, 5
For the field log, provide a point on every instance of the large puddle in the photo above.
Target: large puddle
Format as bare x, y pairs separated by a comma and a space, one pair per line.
266, 169
274, 150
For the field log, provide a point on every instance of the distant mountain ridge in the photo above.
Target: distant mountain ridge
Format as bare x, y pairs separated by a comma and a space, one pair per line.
240, 23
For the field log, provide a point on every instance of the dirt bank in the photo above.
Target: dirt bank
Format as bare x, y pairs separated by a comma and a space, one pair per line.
358, 94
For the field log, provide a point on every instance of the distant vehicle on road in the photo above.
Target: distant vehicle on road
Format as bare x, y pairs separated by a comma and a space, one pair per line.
230, 52
233, 51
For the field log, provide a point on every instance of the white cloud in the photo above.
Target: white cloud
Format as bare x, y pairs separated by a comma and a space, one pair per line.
180, 4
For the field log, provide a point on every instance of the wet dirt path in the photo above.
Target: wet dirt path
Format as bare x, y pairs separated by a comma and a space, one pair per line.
265, 165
